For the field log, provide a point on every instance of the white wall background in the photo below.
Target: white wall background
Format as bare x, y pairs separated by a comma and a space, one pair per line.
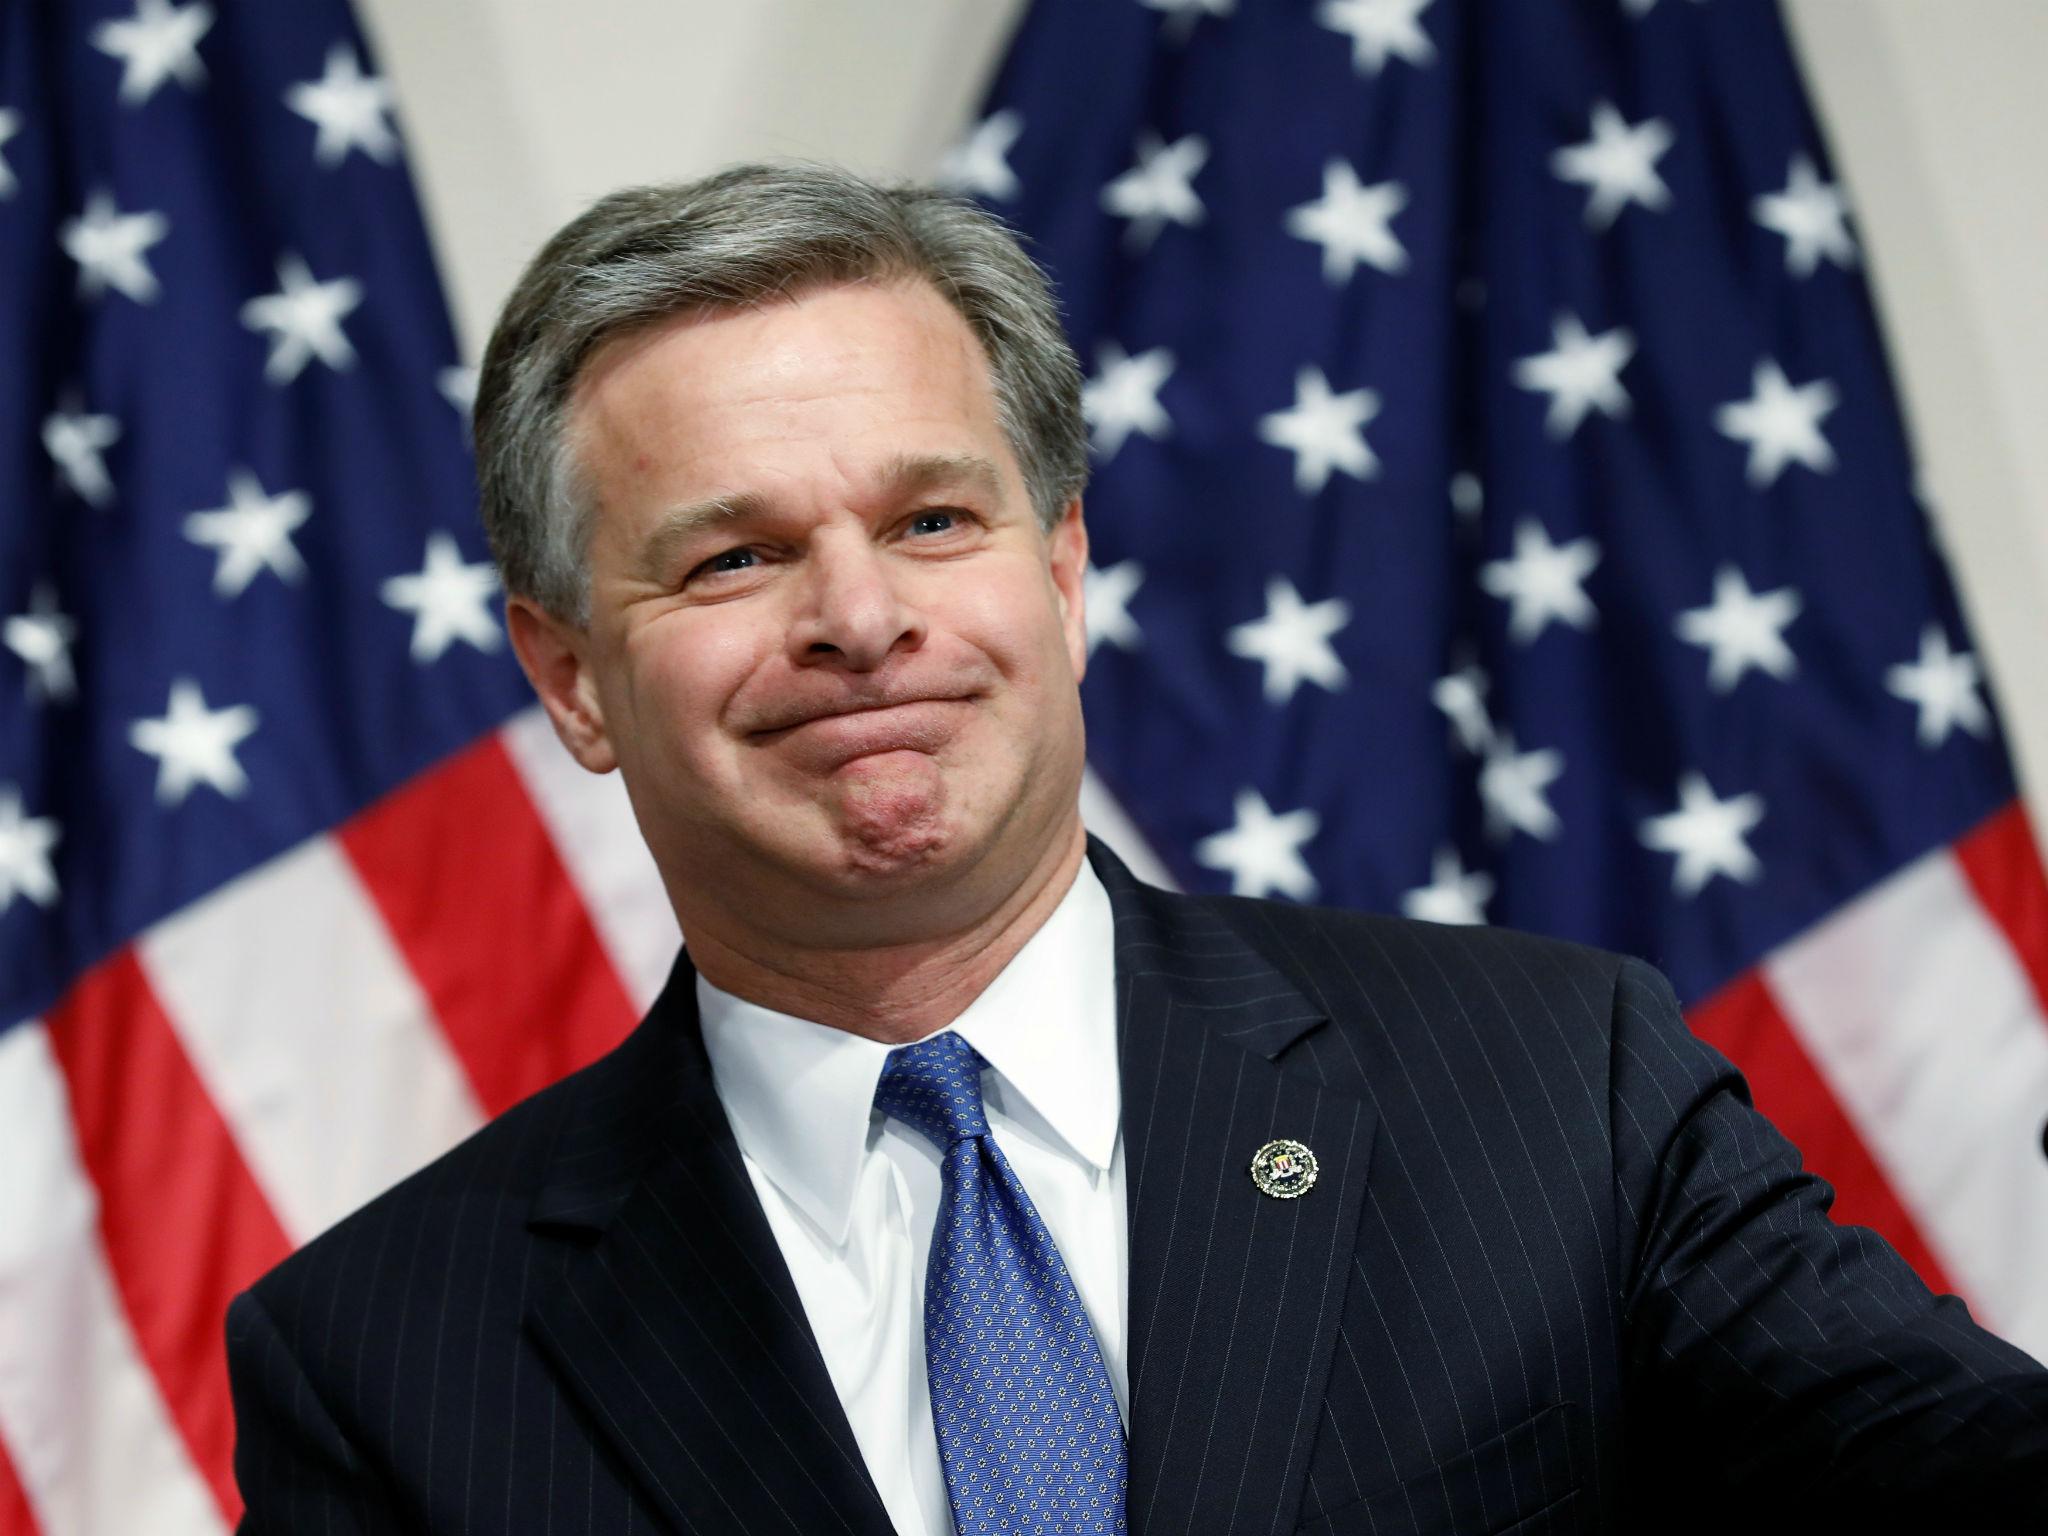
519, 112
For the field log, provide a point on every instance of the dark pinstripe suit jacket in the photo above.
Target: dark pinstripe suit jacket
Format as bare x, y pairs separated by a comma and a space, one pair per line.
1556, 1276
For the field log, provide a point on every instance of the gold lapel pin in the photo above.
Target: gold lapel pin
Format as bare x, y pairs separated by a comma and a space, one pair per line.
1286, 1170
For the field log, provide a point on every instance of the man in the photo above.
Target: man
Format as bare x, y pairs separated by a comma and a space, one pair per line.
958, 1180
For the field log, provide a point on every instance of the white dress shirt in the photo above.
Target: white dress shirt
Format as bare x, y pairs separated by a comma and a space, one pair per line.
852, 1196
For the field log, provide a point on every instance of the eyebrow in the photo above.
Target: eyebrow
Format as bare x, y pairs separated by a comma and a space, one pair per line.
682, 524
917, 474
903, 477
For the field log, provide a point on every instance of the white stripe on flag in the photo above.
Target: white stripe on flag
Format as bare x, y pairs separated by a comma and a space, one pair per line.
1917, 1012
311, 1035
591, 822
89, 1434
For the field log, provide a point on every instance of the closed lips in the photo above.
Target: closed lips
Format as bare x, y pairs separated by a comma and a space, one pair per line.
841, 712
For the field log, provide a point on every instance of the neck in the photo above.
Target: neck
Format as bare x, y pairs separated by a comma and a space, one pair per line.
894, 993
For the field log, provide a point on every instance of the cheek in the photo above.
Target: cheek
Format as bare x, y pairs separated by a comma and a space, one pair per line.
682, 675
1016, 623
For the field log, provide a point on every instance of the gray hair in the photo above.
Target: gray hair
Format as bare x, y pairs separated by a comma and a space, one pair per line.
745, 236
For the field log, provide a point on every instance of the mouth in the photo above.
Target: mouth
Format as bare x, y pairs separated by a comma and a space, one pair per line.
828, 741
880, 708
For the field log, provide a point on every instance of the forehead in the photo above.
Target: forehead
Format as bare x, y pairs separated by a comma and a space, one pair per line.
868, 369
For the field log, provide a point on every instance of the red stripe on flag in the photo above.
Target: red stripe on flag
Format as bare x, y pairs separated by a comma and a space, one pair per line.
1743, 1022
184, 1224
16, 1517
479, 903
2003, 866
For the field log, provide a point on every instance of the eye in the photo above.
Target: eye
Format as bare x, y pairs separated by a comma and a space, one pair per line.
726, 561
935, 520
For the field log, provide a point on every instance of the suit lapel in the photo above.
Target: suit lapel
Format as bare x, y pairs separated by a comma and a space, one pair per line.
1234, 1295
674, 1323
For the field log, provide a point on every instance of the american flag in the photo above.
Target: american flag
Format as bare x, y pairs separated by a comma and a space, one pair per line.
296, 889
292, 895
1502, 512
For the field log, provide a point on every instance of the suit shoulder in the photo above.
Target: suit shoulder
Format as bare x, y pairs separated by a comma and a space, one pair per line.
1396, 979
1425, 1016
1464, 956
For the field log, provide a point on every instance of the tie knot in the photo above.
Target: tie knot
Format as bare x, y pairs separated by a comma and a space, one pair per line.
934, 1086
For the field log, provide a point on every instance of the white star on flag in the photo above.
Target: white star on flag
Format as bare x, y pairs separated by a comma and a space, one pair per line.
458, 387
252, 533
159, 42
1468, 494
1812, 216
1379, 30
1461, 695
1158, 190
1181, 15
109, 247
979, 165
1942, 685
1781, 423
1123, 397
1542, 581
1262, 852
1106, 604
1580, 373
304, 318
1352, 223
1292, 641
1514, 787
1741, 629
42, 638
1707, 834
25, 844
449, 601
194, 745
78, 441
10, 125
1619, 164
348, 107
1323, 431
1453, 894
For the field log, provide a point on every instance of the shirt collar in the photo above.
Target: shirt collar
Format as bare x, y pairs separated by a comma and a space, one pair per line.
800, 1095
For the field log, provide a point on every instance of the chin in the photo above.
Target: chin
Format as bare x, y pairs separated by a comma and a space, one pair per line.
898, 849
894, 817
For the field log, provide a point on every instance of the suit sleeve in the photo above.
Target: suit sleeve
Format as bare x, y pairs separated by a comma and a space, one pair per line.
1799, 1364
296, 1470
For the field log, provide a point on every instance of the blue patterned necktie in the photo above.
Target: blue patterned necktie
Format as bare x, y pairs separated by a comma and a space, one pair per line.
1028, 1428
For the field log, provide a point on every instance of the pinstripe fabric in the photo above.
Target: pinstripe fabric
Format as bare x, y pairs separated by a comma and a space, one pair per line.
1555, 1277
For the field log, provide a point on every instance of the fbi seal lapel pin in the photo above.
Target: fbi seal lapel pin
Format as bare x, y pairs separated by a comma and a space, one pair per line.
1286, 1170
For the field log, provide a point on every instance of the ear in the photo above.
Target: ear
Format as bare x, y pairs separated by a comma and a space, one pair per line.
556, 659
1067, 558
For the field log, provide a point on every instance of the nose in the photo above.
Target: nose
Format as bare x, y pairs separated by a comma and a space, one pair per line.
855, 612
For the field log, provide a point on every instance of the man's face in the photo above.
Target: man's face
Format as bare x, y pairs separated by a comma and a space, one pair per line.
830, 648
